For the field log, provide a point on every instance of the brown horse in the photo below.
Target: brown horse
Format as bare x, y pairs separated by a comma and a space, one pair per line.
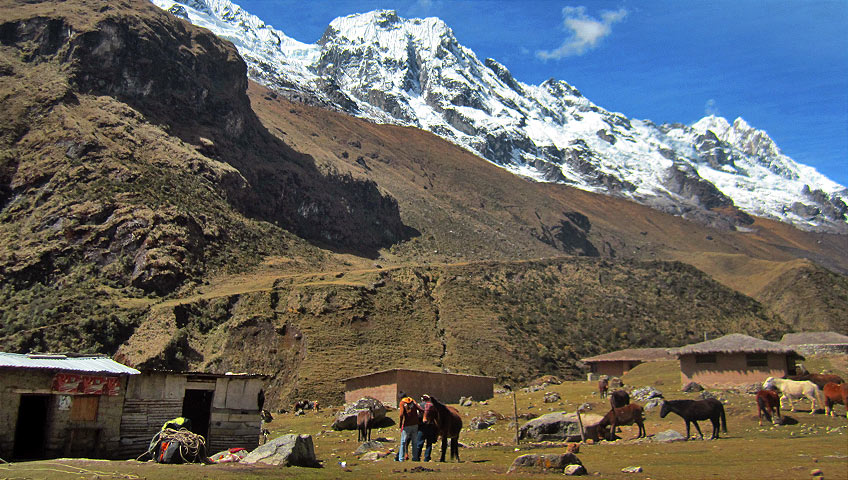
835, 393
364, 423
768, 402
626, 415
447, 423
603, 386
820, 379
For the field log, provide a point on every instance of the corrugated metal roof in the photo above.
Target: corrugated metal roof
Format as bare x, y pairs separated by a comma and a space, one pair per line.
90, 364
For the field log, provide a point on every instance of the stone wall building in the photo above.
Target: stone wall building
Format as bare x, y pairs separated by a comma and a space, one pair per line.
616, 364
61, 405
816, 343
734, 360
446, 387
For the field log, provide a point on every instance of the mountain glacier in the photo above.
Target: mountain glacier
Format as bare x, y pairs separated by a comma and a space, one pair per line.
414, 72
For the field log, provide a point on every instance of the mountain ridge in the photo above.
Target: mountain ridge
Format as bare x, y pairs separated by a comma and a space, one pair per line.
415, 72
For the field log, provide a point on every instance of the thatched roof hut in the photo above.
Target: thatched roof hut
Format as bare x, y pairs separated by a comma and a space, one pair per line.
814, 338
632, 354
620, 362
813, 343
734, 343
734, 359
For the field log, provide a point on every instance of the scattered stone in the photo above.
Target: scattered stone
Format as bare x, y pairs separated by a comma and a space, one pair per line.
545, 380
669, 436
653, 403
631, 470
615, 382
644, 394
586, 407
346, 419
465, 401
369, 446
574, 470
816, 472
708, 394
543, 463
573, 448
374, 456
551, 397
485, 420
693, 387
287, 450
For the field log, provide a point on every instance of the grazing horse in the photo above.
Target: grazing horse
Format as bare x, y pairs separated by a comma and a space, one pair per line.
364, 423
835, 393
619, 398
694, 410
820, 379
795, 389
767, 403
603, 386
626, 415
447, 423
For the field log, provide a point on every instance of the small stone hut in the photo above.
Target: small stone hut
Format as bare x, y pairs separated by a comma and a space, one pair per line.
816, 343
447, 387
61, 405
616, 364
734, 359
224, 408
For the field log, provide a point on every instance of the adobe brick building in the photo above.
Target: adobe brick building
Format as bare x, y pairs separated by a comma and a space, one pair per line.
616, 364
734, 359
447, 387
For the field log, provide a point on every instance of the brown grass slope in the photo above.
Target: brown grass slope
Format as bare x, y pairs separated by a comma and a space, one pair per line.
509, 319
466, 208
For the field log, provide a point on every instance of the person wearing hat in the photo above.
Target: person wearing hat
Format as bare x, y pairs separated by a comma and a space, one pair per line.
409, 412
426, 430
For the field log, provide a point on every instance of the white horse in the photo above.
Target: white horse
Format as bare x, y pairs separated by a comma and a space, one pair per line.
790, 389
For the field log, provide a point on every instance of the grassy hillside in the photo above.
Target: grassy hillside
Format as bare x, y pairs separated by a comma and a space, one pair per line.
511, 320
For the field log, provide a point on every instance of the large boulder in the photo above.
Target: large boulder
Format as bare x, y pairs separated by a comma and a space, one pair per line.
486, 420
669, 436
551, 462
287, 450
560, 426
346, 419
369, 446
644, 394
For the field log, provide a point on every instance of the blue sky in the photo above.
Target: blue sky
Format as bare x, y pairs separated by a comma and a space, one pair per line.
780, 65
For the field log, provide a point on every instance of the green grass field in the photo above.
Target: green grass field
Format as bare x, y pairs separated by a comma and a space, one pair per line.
747, 451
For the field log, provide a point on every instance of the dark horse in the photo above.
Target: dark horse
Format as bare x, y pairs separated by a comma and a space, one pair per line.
619, 398
448, 424
693, 410
364, 424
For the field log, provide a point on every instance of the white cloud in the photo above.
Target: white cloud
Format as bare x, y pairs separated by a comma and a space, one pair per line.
586, 31
710, 108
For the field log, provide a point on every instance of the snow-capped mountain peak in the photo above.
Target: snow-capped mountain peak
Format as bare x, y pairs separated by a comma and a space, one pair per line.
415, 72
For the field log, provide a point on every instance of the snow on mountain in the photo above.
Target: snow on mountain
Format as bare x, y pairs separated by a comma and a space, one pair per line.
414, 72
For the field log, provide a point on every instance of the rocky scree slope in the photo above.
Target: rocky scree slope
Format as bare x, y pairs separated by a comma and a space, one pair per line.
131, 162
415, 72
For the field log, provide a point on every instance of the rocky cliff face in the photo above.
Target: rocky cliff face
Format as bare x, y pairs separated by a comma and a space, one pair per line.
132, 145
415, 72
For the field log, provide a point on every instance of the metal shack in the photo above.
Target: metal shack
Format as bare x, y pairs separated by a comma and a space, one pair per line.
60, 405
447, 387
224, 408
